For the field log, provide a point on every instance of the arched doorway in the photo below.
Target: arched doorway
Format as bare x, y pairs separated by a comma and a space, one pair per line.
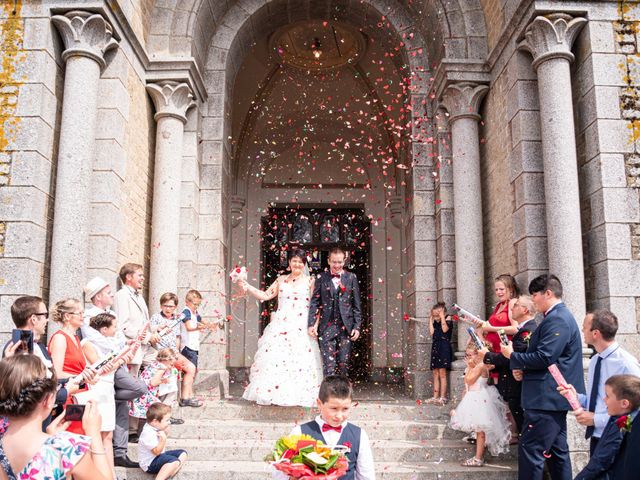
320, 123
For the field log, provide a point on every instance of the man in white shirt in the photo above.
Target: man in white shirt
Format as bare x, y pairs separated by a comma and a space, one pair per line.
599, 329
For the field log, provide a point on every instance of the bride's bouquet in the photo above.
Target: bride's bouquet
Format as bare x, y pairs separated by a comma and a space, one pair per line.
305, 458
238, 274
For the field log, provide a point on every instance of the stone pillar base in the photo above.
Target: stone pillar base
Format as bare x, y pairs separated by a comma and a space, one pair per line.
212, 383
419, 384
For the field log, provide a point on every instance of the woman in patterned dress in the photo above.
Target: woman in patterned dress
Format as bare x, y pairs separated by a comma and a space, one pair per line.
27, 395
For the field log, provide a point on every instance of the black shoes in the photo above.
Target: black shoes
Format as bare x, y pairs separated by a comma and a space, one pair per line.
176, 421
125, 462
133, 438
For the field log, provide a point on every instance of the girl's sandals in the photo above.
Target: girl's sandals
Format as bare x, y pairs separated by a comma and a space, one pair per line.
442, 401
472, 462
433, 400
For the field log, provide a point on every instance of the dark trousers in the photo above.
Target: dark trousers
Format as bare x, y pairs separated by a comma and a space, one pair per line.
335, 347
515, 406
544, 437
127, 388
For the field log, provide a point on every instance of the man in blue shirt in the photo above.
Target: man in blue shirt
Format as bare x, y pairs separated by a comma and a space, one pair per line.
599, 329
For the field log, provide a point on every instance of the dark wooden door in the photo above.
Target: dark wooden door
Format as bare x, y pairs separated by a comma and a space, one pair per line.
317, 230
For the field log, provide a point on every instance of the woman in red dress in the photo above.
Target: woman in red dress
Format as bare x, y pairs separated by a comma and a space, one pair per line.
64, 346
507, 292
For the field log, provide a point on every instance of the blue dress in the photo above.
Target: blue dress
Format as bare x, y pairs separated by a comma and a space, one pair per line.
441, 352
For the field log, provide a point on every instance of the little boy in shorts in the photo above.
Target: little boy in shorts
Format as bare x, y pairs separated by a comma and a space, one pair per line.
190, 337
152, 453
622, 398
332, 428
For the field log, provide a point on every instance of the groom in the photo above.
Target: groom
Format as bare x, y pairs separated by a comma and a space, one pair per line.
337, 296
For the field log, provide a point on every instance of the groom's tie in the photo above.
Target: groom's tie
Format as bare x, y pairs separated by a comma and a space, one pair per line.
326, 427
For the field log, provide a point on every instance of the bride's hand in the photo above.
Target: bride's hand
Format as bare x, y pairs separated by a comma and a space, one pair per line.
244, 286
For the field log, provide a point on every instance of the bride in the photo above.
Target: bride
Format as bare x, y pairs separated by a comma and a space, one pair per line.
287, 368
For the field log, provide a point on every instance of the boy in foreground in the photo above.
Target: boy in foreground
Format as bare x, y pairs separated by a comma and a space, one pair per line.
332, 428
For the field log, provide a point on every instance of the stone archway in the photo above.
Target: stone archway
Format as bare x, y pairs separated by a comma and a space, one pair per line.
411, 207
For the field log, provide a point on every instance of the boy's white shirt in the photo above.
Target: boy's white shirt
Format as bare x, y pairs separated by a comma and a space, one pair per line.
365, 468
190, 339
148, 441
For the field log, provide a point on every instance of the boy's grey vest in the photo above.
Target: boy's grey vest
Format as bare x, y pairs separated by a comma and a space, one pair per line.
350, 434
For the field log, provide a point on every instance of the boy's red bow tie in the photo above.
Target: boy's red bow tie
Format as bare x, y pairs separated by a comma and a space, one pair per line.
335, 275
326, 427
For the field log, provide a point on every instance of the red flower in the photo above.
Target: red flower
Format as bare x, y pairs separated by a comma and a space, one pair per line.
288, 454
342, 288
238, 270
456, 318
624, 423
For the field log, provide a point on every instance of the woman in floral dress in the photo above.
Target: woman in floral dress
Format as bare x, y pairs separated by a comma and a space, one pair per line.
27, 395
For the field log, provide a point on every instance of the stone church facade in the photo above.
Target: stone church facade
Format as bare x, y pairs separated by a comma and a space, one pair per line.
468, 138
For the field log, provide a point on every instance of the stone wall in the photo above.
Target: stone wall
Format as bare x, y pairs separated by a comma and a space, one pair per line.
605, 84
497, 187
31, 79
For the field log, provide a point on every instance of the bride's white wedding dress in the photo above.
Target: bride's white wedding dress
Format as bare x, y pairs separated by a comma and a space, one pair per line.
287, 368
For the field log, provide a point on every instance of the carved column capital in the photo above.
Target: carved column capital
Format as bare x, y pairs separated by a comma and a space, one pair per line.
85, 34
237, 210
171, 99
551, 36
462, 100
395, 208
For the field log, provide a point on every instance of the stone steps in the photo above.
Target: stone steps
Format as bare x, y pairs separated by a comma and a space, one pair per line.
228, 440
384, 430
363, 410
234, 470
383, 450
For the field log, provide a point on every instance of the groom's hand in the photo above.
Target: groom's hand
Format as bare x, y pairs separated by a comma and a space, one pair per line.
313, 331
355, 334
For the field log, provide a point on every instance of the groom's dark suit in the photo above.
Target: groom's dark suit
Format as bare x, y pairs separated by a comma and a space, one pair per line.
340, 314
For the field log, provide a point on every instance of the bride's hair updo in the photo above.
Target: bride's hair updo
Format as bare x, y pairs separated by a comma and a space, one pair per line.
23, 385
298, 253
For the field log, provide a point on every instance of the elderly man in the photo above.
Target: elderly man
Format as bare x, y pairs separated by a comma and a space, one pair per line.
523, 312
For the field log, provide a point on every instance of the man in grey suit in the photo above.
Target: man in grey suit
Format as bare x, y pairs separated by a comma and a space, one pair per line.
335, 314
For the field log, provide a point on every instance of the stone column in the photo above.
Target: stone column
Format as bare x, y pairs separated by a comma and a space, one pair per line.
549, 39
462, 101
172, 100
86, 37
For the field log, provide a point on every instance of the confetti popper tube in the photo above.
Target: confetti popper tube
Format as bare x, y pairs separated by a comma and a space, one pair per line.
107, 368
141, 334
467, 316
503, 337
560, 380
475, 338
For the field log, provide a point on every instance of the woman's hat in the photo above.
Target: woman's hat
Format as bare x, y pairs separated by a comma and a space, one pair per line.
93, 287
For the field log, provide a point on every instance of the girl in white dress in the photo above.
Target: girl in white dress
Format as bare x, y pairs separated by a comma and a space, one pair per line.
482, 411
287, 368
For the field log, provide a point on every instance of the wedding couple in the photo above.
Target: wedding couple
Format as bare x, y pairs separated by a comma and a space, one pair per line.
310, 334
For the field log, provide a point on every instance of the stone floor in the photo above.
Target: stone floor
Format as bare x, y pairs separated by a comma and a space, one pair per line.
228, 439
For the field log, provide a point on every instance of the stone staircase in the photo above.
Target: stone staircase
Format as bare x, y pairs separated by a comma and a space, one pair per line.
227, 439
